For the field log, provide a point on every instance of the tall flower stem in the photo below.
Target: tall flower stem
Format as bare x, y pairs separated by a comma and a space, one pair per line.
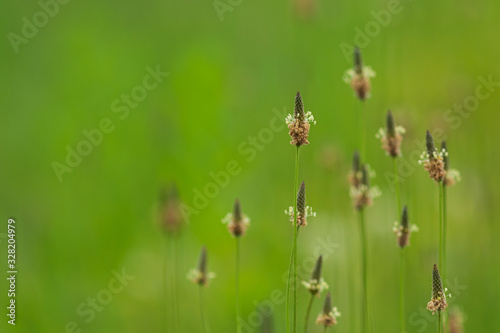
237, 276
440, 325
441, 228
308, 312
202, 312
364, 269
362, 128
293, 256
402, 289
396, 185
295, 235
443, 268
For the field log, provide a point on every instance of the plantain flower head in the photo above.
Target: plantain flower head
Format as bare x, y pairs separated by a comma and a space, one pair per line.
328, 317
237, 222
316, 284
199, 275
300, 123
359, 77
391, 136
438, 299
433, 160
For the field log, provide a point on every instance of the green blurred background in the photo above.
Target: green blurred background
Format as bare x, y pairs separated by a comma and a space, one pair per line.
225, 79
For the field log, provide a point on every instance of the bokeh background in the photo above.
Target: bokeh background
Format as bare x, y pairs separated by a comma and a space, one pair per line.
225, 79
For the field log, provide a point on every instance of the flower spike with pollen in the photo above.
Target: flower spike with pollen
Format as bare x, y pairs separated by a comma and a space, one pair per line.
303, 211
316, 284
391, 136
200, 275
438, 300
170, 215
432, 159
299, 123
363, 194
237, 222
328, 317
403, 230
359, 77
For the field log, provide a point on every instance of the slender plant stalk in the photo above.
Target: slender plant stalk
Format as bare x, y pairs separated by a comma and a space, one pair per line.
238, 324
165, 285
295, 235
293, 257
443, 269
439, 321
396, 177
326, 327
441, 228
402, 289
362, 129
175, 261
308, 312
364, 269
202, 312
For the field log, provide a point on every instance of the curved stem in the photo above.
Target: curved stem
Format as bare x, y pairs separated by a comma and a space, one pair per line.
295, 234
308, 312
364, 269
402, 290
238, 324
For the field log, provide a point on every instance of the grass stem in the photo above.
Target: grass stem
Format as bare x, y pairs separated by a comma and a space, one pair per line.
443, 268
295, 235
441, 229
402, 289
202, 312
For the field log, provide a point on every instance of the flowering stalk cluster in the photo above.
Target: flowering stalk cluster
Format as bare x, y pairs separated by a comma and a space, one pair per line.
359, 77
299, 123
391, 136
359, 177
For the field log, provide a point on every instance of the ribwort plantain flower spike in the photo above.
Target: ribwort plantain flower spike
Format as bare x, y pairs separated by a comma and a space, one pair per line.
303, 211
432, 159
237, 222
438, 299
316, 284
391, 136
359, 77
300, 123
328, 316
199, 275
361, 192
403, 229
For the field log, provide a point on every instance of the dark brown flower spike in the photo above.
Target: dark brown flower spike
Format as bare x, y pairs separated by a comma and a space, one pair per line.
432, 159
438, 300
359, 77
391, 136
316, 284
200, 275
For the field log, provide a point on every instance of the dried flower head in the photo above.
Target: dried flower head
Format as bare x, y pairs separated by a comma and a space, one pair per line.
199, 275
362, 194
359, 77
299, 123
452, 175
438, 299
403, 229
303, 211
456, 321
391, 136
328, 317
237, 222
316, 284
432, 159
169, 216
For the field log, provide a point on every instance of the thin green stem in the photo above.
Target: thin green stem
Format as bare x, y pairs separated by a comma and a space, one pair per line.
364, 269
175, 305
238, 324
396, 185
444, 233
308, 312
362, 129
165, 285
439, 321
402, 290
295, 235
290, 265
202, 312
326, 328
441, 228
